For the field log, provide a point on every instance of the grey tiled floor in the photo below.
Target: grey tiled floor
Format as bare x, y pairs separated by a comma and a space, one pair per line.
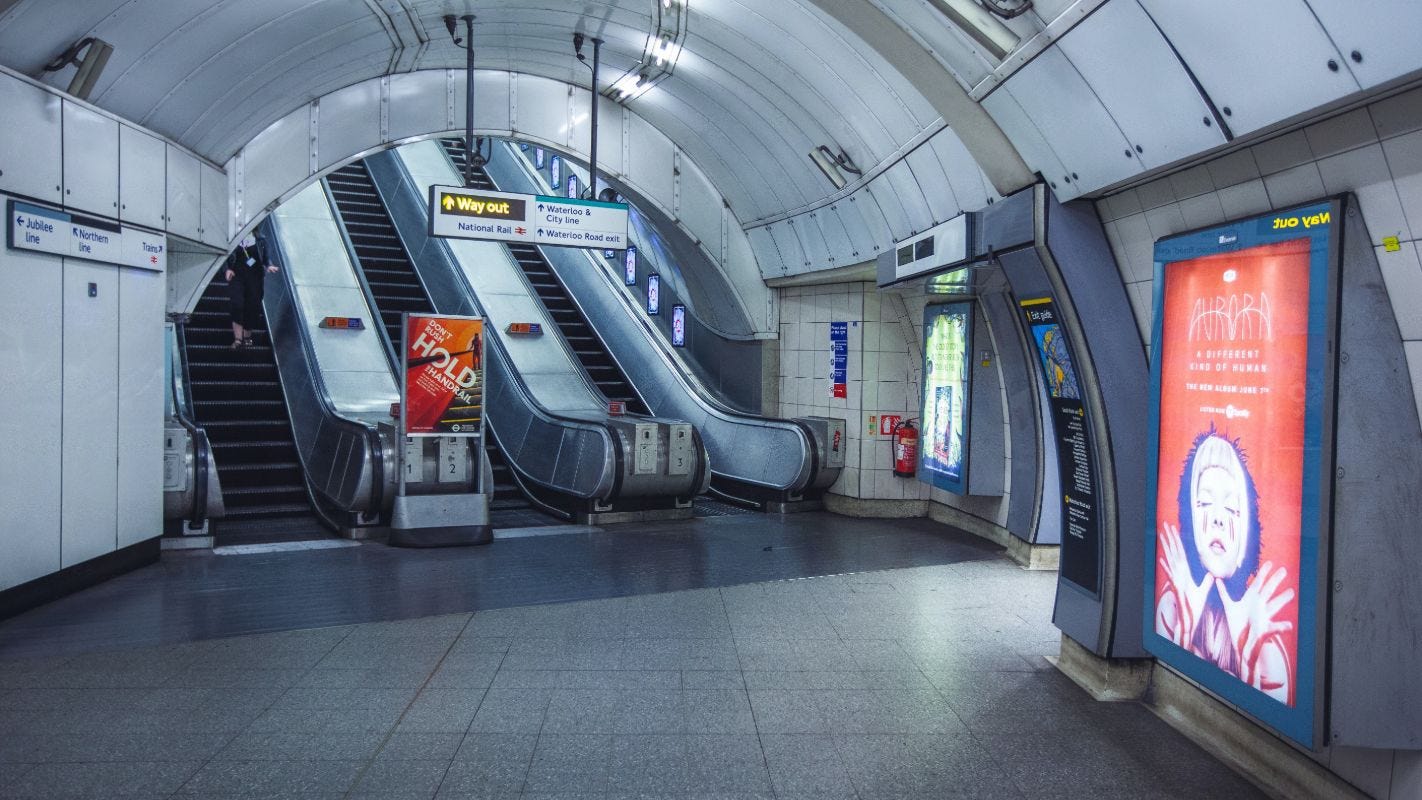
909, 683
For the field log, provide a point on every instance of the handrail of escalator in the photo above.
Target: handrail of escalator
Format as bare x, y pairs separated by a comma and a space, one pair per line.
697, 390
283, 313
183, 413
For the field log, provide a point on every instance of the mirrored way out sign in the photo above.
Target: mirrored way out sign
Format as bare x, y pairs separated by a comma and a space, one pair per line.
460, 213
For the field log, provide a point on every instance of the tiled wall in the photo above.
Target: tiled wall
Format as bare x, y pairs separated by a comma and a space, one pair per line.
884, 368
884, 372
1374, 152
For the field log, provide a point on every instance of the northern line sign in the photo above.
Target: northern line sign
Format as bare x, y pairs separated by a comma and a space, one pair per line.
460, 213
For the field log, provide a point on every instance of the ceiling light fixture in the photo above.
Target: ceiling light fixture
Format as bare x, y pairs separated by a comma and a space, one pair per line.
834, 165
981, 25
659, 54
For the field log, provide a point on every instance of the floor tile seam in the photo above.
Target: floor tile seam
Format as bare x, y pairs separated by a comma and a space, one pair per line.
360, 775
247, 728
998, 763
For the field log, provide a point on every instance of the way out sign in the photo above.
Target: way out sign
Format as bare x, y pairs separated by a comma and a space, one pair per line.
460, 213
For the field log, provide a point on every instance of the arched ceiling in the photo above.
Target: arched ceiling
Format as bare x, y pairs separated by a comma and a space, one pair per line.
759, 83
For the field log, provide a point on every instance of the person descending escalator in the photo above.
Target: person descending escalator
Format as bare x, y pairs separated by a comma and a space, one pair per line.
246, 271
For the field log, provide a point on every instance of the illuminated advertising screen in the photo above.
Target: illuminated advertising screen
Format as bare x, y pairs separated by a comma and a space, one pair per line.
947, 348
1239, 399
442, 386
539, 157
555, 172
629, 267
679, 325
572, 186
654, 294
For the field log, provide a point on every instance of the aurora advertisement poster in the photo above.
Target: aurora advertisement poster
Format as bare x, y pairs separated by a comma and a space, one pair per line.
443, 385
1238, 394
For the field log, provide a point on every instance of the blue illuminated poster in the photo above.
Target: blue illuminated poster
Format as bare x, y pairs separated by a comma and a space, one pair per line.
572, 185
629, 267
538, 157
679, 325
654, 294
947, 347
555, 172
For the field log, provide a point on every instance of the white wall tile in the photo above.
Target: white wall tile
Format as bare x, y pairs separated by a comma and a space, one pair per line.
1296, 185
1202, 211
789, 309
1365, 172
871, 306
1192, 182
1165, 220
1282, 152
1235, 168
1404, 160
1139, 247
893, 396
1155, 194
1341, 133
1402, 272
1398, 115
1245, 199
1123, 204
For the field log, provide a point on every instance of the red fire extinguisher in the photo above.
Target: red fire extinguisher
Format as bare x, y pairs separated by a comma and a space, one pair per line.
905, 449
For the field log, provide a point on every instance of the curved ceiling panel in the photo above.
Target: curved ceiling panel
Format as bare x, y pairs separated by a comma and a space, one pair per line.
761, 82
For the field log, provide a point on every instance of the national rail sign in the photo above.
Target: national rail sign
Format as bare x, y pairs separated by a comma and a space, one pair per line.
460, 213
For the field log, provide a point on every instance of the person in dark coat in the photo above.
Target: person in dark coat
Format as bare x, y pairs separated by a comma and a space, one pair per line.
246, 271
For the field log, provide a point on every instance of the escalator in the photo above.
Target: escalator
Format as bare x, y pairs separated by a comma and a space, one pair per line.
757, 461
591, 352
395, 288
238, 401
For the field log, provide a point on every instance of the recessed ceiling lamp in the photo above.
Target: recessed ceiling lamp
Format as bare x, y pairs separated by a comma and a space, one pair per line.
659, 54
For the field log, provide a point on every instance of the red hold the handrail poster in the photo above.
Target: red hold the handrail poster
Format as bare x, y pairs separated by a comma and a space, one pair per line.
444, 375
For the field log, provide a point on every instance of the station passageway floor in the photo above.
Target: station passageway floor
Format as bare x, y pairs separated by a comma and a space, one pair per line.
724, 658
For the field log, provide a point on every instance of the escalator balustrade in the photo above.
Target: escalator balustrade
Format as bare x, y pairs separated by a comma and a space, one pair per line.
395, 288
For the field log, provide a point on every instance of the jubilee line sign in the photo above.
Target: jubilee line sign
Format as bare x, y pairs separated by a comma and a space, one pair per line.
460, 213
48, 230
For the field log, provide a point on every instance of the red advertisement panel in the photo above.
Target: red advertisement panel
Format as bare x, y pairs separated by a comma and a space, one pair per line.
1234, 373
444, 375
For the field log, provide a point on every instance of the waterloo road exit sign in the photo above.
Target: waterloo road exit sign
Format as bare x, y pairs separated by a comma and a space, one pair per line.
460, 213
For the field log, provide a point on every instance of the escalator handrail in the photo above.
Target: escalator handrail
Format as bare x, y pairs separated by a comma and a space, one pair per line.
183, 413
359, 428
696, 389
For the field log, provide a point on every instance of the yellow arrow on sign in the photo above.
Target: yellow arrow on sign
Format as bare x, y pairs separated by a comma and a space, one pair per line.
448, 202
